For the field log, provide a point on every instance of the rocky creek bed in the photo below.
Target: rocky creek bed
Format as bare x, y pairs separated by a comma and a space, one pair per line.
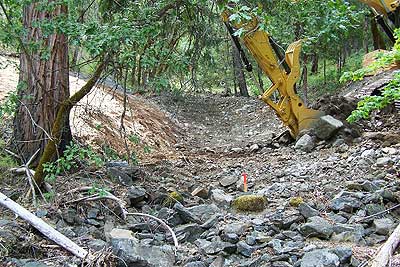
320, 206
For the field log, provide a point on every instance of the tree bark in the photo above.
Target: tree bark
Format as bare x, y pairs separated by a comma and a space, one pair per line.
314, 67
62, 118
238, 70
376, 36
43, 84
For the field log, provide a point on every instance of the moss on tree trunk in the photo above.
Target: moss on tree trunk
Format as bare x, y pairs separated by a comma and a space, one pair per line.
62, 115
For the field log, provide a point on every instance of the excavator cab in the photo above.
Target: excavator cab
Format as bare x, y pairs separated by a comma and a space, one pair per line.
282, 70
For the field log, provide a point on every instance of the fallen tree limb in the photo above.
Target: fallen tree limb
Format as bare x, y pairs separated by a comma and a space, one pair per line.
378, 213
43, 227
385, 253
160, 221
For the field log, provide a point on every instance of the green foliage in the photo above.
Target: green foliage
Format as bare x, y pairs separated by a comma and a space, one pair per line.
74, 156
383, 60
6, 161
101, 191
9, 105
134, 138
370, 103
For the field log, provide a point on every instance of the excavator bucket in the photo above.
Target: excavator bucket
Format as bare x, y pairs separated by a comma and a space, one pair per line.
308, 118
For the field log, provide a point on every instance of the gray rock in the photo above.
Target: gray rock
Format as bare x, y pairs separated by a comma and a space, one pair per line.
134, 253
344, 254
369, 186
124, 175
307, 211
348, 233
374, 239
238, 228
218, 262
276, 245
383, 226
204, 212
220, 197
195, 264
317, 227
369, 154
257, 262
189, 232
326, 127
218, 246
292, 246
170, 216
93, 213
373, 208
185, 214
228, 181
244, 249
136, 194
254, 148
251, 240
345, 203
305, 143
70, 216
320, 258
337, 218
211, 222
230, 237
383, 161
97, 244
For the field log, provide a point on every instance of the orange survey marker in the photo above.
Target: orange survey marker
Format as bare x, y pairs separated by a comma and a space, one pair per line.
244, 182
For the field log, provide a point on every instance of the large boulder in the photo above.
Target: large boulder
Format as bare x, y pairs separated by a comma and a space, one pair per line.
320, 258
305, 143
326, 127
317, 227
133, 253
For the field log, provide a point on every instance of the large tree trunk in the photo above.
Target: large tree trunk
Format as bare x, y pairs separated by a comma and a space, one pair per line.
44, 84
239, 73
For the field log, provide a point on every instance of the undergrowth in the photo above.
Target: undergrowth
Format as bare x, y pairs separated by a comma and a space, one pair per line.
388, 95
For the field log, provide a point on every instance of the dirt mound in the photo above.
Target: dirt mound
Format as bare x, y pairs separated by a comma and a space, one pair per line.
97, 119
336, 106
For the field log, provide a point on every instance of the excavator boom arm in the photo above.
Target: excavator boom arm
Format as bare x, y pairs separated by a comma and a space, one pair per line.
283, 73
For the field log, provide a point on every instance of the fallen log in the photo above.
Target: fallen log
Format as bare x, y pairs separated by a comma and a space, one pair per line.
43, 227
386, 251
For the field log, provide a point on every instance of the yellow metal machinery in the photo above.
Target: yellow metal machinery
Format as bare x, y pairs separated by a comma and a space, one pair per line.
283, 71
386, 9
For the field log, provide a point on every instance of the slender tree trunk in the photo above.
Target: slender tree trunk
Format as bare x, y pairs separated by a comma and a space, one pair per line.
75, 57
239, 73
365, 40
260, 80
376, 36
324, 71
44, 84
314, 67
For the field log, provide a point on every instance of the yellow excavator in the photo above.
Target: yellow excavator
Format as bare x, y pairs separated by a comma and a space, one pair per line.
284, 70
386, 11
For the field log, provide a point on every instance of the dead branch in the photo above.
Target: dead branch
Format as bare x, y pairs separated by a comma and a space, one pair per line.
160, 221
43, 227
97, 196
378, 213
386, 251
